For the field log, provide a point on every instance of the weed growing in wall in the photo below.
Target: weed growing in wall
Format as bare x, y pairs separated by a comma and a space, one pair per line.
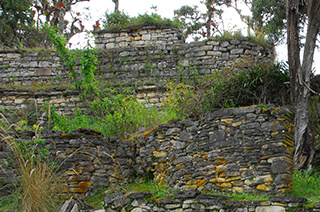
60, 42
121, 20
37, 188
88, 61
179, 99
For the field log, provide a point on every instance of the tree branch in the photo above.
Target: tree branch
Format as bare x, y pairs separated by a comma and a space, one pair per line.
310, 89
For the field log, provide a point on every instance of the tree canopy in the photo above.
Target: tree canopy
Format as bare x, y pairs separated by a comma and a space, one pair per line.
22, 22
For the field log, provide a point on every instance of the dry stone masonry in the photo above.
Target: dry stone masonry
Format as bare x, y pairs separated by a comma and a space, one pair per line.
29, 67
137, 35
238, 150
193, 201
136, 54
184, 60
24, 100
147, 59
246, 149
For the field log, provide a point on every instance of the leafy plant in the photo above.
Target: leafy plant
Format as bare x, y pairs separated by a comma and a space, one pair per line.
88, 62
180, 99
248, 84
113, 116
60, 42
116, 19
306, 184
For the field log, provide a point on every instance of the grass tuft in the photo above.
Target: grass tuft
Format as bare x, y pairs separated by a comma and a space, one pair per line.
306, 184
37, 188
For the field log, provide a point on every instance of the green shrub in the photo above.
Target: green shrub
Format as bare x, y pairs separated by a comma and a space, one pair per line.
116, 19
122, 20
113, 116
180, 98
248, 84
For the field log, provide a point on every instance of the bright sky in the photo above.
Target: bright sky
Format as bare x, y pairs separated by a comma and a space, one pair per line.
97, 8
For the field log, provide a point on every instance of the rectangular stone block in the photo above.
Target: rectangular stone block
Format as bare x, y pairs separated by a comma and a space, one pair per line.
42, 72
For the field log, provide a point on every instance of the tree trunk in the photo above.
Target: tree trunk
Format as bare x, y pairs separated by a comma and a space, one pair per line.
209, 18
293, 50
300, 80
116, 7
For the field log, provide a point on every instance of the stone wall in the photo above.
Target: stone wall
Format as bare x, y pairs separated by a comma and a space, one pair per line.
135, 55
134, 64
24, 100
170, 61
193, 201
137, 35
87, 161
30, 67
238, 150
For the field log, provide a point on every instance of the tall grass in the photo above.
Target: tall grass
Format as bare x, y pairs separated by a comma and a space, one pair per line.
37, 186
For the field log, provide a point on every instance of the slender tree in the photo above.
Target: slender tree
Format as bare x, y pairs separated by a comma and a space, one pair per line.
300, 74
201, 24
54, 13
116, 7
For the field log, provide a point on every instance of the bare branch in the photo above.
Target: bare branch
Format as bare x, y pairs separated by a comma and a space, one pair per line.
310, 89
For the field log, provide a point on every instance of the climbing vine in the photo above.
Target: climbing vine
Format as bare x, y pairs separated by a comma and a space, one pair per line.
88, 62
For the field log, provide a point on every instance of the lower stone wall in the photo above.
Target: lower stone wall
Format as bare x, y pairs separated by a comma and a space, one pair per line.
236, 150
21, 100
193, 201
86, 161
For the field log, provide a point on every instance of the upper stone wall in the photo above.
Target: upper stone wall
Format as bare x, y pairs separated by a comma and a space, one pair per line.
30, 67
135, 54
137, 36
131, 55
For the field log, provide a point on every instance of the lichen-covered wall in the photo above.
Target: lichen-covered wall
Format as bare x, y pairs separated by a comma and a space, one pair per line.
239, 150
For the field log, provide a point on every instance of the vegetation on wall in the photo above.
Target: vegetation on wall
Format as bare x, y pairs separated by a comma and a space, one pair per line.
122, 20
256, 84
116, 115
85, 80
